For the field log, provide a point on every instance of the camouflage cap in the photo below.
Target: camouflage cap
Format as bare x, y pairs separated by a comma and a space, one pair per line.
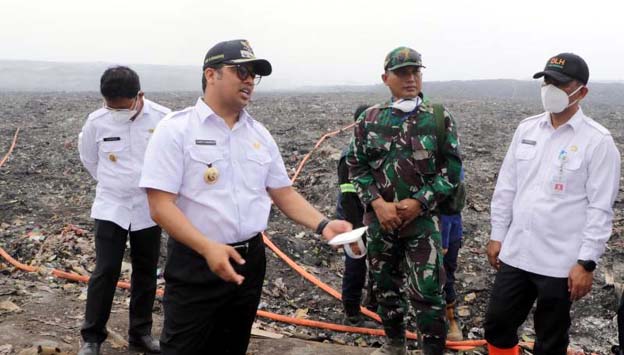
402, 57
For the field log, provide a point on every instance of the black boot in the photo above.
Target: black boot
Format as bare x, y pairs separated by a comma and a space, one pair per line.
145, 343
89, 349
353, 317
432, 346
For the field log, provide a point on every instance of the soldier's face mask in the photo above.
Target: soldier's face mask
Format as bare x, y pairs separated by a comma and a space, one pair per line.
407, 105
555, 100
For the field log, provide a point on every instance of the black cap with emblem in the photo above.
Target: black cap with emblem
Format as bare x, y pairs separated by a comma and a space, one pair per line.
236, 52
565, 67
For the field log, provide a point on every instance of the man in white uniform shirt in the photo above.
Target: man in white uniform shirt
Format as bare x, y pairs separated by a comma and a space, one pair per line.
210, 172
551, 213
112, 145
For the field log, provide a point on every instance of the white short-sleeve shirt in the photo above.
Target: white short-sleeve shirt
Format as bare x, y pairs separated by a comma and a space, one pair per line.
112, 152
553, 202
231, 205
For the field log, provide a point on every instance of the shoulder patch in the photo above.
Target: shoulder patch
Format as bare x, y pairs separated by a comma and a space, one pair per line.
157, 107
597, 126
532, 118
97, 113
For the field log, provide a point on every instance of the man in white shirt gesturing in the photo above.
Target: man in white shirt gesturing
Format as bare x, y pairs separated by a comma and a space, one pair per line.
112, 144
210, 172
551, 212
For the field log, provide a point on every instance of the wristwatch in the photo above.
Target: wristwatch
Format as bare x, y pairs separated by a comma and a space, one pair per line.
321, 226
588, 265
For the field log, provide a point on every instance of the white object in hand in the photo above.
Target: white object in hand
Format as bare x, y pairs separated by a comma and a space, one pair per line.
354, 236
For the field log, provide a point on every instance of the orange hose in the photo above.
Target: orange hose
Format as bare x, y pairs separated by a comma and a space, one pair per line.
320, 141
6, 156
318, 324
16, 263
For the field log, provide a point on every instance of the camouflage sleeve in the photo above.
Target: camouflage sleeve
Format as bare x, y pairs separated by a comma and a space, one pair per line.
357, 161
448, 175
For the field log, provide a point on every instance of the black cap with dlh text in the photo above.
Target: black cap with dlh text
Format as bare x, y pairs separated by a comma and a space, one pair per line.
237, 51
564, 68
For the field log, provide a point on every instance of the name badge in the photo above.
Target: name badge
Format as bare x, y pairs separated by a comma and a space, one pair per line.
111, 139
558, 185
558, 182
205, 142
529, 142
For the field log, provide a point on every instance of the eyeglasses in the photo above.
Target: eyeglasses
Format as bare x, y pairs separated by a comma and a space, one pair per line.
243, 72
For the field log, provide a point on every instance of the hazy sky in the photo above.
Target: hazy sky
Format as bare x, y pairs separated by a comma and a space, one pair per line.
319, 42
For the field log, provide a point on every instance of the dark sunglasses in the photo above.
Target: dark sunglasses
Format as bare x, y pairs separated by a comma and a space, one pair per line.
243, 72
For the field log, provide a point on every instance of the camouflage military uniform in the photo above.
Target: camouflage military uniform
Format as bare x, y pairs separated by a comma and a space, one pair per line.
393, 156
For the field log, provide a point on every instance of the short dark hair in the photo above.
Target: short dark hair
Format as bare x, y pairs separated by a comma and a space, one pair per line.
204, 82
359, 110
119, 82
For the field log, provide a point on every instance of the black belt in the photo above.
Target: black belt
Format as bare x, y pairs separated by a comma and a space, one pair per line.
243, 247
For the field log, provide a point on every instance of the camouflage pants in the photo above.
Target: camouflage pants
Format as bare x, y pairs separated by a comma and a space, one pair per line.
415, 256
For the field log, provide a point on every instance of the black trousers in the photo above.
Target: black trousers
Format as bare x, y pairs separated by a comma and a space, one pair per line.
512, 298
110, 244
353, 282
203, 313
450, 266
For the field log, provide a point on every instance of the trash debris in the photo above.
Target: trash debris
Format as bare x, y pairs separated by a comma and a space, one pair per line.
8, 306
6, 349
47, 221
470, 297
463, 311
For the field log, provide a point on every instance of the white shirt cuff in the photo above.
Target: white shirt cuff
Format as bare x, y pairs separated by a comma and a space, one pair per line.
158, 185
498, 233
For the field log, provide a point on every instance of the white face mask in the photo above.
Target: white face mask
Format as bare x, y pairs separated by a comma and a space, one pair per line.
556, 100
122, 115
407, 105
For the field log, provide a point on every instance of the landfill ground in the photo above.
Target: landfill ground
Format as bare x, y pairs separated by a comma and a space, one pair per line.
44, 188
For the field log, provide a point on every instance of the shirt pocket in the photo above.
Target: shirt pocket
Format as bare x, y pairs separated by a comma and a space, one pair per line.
377, 149
524, 156
146, 134
255, 168
424, 149
113, 150
525, 152
206, 168
571, 173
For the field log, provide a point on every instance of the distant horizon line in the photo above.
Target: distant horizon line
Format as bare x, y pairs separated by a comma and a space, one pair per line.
187, 66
